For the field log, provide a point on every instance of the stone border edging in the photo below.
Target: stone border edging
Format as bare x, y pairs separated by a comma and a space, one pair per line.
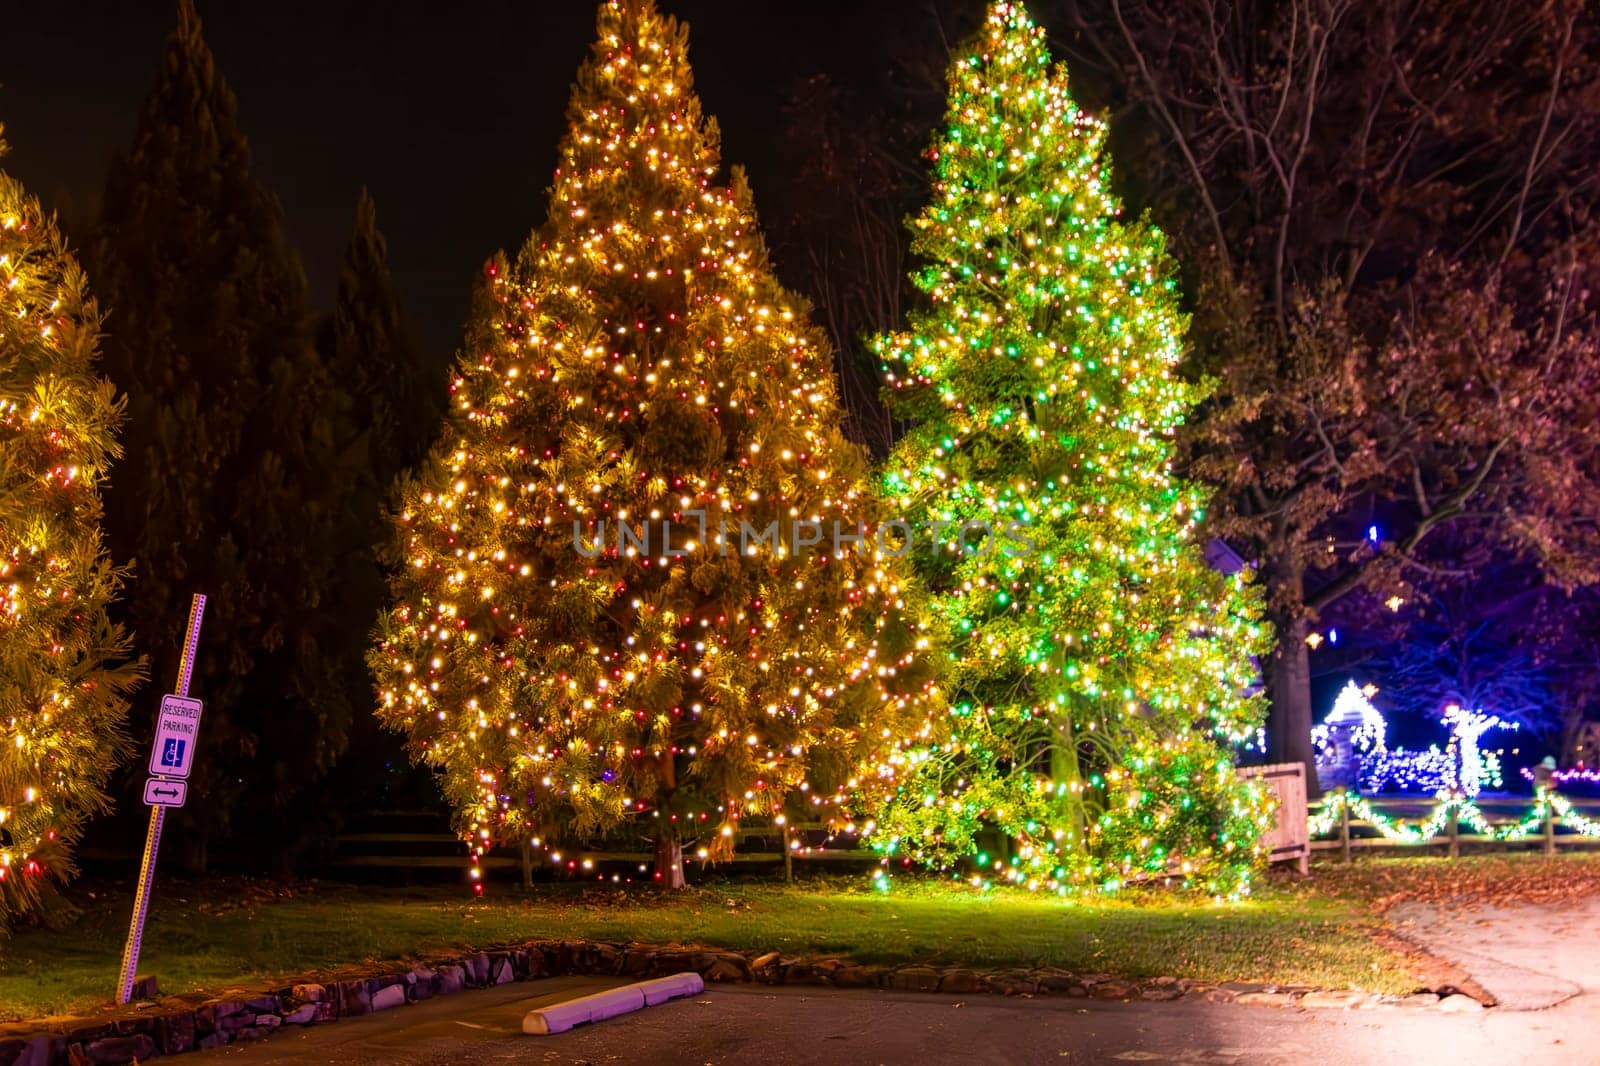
221, 1021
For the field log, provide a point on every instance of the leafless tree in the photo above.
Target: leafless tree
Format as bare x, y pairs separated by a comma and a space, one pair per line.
1387, 209
856, 172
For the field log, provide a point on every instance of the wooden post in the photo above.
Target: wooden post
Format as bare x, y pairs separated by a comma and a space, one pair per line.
669, 861
788, 855
1288, 837
1549, 823
527, 864
1455, 827
1344, 825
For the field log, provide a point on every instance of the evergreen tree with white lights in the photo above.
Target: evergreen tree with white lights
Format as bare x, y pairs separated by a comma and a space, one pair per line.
65, 670
639, 365
1097, 668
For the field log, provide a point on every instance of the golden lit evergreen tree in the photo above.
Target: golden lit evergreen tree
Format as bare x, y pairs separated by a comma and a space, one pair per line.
1097, 667
65, 672
624, 600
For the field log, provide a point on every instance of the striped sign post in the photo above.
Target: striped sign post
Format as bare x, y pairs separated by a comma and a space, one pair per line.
158, 809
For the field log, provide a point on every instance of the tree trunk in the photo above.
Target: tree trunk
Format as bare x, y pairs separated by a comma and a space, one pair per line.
669, 862
194, 853
284, 863
669, 850
1065, 768
1064, 765
1572, 724
1289, 693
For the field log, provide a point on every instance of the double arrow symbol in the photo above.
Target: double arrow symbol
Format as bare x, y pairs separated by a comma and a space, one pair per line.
162, 793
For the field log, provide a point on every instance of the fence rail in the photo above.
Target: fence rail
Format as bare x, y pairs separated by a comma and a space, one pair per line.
1341, 822
422, 843
1450, 820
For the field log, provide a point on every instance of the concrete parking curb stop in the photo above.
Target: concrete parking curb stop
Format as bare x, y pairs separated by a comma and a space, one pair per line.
560, 1017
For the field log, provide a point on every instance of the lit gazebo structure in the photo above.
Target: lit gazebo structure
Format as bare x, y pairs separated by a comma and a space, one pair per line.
1353, 728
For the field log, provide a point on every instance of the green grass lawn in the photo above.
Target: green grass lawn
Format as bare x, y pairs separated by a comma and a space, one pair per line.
241, 935
231, 934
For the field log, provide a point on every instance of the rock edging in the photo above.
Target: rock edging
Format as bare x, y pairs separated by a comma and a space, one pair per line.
225, 1020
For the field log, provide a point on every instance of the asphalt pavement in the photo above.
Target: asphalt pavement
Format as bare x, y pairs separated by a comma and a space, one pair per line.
736, 1024
1540, 963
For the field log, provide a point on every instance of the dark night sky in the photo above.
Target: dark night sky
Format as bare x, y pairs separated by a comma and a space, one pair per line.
450, 113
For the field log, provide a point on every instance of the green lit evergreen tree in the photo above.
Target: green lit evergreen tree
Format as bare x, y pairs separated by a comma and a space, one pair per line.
639, 364
65, 667
1097, 668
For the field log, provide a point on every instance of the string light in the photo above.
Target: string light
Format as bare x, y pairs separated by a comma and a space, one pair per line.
1467, 812
66, 687
574, 646
1429, 770
1572, 819
1100, 676
1577, 775
1352, 720
1354, 735
1475, 767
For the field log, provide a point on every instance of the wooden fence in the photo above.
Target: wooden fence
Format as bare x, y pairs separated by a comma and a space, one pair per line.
1289, 836
1349, 824
420, 845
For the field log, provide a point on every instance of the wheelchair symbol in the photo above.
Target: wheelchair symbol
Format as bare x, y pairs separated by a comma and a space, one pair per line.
172, 751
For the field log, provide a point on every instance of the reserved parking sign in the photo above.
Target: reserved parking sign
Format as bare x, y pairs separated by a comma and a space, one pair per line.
176, 730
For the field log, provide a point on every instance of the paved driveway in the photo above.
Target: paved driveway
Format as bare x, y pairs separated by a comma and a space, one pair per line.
1528, 957
768, 1026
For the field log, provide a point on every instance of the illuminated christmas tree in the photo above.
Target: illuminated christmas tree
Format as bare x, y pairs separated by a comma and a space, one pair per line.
1097, 667
64, 667
625, 606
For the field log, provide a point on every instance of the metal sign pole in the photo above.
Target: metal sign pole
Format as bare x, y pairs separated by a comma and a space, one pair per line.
152, 840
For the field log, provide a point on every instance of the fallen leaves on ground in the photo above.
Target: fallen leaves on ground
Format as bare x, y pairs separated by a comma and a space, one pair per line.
1499, 879
240, 893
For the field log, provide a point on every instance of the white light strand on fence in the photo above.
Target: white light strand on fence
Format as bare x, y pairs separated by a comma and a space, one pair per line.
1325, 821
1572, 819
